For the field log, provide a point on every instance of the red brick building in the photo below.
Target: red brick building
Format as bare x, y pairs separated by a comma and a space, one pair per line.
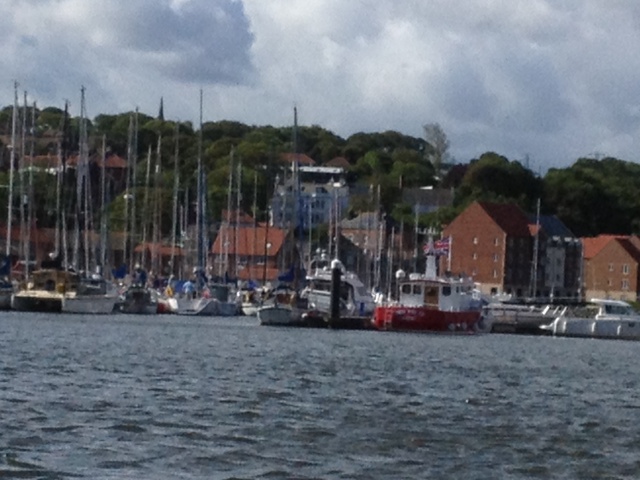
496, 245
612, 267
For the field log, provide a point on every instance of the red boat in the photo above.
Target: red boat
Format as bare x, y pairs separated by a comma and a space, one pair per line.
428, 303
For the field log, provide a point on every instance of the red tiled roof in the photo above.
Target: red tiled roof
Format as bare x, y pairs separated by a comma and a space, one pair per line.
300, 157
251, 241
509, 217
591, 246
630, 248
339, 162
112, 161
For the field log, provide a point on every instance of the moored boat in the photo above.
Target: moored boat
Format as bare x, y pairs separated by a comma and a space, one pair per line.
600, 318
428, 303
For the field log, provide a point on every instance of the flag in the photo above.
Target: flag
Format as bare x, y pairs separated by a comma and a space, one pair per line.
443, 246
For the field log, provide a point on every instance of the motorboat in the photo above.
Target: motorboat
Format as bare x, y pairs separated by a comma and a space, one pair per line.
429, 303
283, 308
355, 299
599, 318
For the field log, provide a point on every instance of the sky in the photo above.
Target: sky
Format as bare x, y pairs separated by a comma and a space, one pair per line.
544, 82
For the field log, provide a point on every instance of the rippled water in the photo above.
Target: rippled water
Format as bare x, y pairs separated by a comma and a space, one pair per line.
180, 397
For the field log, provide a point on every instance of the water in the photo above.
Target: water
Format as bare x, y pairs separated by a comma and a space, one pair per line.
182, 397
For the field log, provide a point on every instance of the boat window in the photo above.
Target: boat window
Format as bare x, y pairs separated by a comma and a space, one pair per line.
417, 290
406, 288
446, 290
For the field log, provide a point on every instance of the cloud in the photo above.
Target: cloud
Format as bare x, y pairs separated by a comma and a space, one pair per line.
551, 80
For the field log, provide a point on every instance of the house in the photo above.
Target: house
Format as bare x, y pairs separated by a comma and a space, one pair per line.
506, 251
257, 252
322, 192
612, 267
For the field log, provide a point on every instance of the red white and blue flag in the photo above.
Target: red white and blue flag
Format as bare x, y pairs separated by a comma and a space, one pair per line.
443, 246
439, 247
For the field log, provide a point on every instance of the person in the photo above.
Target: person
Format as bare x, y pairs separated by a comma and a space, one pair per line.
189, 289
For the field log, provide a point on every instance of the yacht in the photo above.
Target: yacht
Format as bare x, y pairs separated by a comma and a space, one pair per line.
600, 318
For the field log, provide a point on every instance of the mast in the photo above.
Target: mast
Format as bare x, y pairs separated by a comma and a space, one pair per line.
200, 199
145, 211
30, 194
62, 215
534, 266
176, 183
227, 220
127, 194
237, 221
22, 190
12, 159
103, 204
156, 210
85, 192
134, 185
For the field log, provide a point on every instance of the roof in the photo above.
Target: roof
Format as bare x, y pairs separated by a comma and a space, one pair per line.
300, 157
591, 246
340, 162
509, 217
551, 225
366, 220
258, 272
252, 240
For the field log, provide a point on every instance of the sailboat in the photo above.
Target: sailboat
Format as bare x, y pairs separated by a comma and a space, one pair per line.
194, 299
285, 306
93, 293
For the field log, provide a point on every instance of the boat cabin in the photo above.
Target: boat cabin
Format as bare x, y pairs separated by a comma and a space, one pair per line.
439, 294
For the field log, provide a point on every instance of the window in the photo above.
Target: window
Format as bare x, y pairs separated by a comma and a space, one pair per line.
475, 256
495, 274
496, 241
609, 283
611, 267
625, 269
495, 257
625, 284
475, 240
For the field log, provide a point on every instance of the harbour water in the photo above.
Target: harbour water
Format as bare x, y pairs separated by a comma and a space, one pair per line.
169, 397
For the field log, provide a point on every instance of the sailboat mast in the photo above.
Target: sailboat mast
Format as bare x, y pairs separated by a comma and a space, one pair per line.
30, 194
200, 199
145, 211
134, 184
227, 223
176, 184
22, 190
103, 204
12, 159
84, 161
156, 209
127, 193
237, 220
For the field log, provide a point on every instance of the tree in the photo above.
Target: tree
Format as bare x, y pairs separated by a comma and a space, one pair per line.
437, 139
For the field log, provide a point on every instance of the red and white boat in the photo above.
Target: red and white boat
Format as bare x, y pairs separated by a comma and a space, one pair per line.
428, 303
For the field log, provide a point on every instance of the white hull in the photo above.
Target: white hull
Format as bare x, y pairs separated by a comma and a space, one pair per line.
591, 328
249, 309
602, 318
280, 315
89, 304
196, 306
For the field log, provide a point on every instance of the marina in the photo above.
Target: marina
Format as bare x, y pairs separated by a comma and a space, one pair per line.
152, 396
